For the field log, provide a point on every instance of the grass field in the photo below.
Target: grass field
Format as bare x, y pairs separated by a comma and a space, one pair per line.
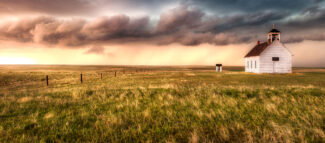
160, 104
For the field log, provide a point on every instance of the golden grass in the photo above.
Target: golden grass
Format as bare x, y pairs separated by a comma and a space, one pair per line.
25, 99
164, 105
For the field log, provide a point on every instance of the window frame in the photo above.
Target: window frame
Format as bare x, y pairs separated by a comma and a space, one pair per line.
275, 59
255, 64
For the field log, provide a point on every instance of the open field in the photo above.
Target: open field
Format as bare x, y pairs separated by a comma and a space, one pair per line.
160, 104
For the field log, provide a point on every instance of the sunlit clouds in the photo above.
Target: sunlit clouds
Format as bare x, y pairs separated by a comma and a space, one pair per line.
146, 32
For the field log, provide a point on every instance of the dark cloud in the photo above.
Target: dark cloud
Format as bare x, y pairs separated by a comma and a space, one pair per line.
308, 25
95, 7
243, 21
74, 32
180, 18
253, 6
80, 7
59, 32
185, 24
22, 30
120, 26
310, 18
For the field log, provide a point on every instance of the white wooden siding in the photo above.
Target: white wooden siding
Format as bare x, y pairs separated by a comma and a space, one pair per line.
251, 66
264, 61
276, 49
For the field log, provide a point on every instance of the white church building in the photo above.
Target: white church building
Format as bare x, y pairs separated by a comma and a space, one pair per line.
269, 57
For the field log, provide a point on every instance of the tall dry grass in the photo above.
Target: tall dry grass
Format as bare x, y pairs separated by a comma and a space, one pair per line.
160, 105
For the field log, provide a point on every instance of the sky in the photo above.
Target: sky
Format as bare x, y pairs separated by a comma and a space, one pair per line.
157, 32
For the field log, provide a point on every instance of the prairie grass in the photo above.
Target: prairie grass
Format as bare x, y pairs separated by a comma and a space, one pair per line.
159, 104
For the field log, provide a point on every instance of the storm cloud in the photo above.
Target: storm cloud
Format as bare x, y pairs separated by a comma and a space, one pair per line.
79, 7
74, 32
253, 6
190, 22
86, 7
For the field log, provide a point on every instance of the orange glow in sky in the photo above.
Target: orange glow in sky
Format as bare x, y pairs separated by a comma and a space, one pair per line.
16, 60
146, 54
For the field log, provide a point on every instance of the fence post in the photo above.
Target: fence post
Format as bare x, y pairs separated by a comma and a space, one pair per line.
81, 78
101, 76
115, 73
47, 80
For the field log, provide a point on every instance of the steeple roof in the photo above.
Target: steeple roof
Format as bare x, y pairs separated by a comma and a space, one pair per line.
275, 30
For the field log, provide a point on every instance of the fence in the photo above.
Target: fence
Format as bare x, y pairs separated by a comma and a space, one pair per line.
101, 76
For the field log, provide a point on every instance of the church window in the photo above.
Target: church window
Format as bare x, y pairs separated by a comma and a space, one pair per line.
275, 59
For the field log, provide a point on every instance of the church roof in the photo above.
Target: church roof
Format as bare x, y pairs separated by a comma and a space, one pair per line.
274, 30
257, 50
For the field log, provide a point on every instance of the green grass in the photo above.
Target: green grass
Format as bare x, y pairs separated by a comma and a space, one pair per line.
159, 104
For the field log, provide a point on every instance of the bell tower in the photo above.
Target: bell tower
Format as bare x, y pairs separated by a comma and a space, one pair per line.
273, 35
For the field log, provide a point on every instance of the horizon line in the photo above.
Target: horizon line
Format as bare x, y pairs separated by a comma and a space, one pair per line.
140, 65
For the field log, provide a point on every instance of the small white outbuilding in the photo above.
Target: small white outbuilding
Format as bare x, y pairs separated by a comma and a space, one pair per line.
219, 67
269, 57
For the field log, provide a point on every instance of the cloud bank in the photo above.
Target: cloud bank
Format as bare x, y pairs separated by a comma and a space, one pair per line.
186, 24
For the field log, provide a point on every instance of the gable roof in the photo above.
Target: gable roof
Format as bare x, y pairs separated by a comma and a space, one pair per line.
257, 50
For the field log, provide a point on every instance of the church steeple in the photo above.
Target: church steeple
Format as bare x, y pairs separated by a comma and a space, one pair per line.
274, 34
